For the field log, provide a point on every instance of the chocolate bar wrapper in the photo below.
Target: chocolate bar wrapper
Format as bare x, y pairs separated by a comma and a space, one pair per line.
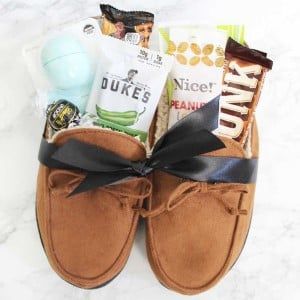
244, 73
134, 27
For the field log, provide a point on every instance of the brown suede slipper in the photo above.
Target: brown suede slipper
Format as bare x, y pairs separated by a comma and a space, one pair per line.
88, 237
196, 231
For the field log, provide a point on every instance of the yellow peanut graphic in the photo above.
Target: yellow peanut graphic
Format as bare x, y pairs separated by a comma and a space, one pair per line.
181, 59
210, 55
220, 51
194, 60
208, 49
195, 48
207, 61
171, 47
182, 47
219, 62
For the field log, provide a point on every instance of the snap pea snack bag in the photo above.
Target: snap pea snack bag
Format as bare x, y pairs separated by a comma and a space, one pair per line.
127, 86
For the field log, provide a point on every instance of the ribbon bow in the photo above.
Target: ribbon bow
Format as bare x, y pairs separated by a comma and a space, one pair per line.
178, 152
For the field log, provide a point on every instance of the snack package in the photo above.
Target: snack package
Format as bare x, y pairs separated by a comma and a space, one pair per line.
127, 86
196, 77
244, 74
62, 65
134, 27
236, 32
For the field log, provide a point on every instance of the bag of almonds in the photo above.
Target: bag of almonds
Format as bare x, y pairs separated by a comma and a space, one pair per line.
196, 76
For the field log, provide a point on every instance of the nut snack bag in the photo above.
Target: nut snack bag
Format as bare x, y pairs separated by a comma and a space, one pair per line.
134, 27
196, 77
127, 86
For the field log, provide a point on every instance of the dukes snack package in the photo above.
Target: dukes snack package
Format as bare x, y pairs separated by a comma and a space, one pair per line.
127, 86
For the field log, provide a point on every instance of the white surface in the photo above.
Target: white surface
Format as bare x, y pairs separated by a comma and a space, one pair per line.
269, 267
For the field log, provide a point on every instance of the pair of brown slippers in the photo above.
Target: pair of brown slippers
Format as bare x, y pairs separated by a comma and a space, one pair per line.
195, 231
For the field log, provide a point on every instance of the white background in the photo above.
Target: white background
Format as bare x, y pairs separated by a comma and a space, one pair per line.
269, 267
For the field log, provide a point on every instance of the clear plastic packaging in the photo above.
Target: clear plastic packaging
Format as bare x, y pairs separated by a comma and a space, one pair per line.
62, 64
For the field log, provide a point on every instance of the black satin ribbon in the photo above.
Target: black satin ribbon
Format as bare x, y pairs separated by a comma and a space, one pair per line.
178, 152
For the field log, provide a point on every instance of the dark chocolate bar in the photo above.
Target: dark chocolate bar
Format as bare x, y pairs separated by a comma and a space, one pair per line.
244, 74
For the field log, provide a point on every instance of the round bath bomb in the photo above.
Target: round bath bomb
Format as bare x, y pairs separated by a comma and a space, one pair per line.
66, 62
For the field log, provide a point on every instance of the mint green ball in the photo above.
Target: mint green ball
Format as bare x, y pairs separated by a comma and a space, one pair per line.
66, 62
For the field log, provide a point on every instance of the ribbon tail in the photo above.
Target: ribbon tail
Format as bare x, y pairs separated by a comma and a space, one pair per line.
215, 169
89, 157
45, 156
95, 180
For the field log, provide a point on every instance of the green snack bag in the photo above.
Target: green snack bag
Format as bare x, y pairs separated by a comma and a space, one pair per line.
127, 87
